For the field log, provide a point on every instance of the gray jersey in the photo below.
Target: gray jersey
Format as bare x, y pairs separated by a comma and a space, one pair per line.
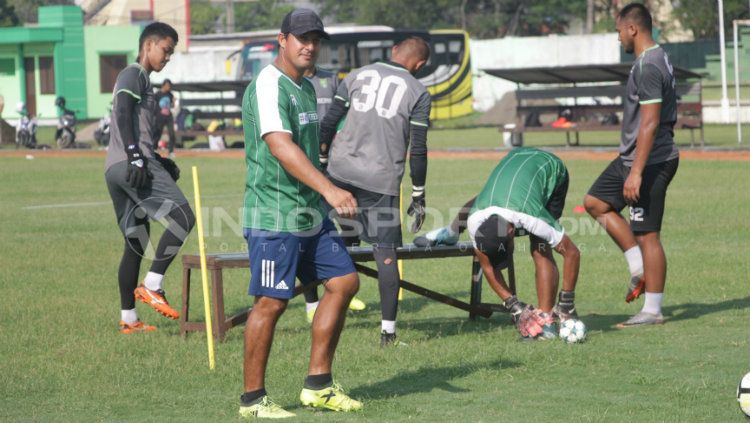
325, 83
134, 81
370, 151
651, 81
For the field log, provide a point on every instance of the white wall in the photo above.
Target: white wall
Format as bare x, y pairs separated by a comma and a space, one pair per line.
524, 52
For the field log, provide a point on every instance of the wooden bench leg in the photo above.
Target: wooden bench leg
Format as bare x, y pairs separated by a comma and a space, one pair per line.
476, 286
185, 301
217, 285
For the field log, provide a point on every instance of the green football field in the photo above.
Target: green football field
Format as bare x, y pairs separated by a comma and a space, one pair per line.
63, 360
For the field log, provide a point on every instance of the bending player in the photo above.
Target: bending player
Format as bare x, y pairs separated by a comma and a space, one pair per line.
389, 110
526, 190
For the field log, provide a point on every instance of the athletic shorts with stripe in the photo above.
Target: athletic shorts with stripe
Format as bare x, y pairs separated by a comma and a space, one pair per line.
645, 215
277, 258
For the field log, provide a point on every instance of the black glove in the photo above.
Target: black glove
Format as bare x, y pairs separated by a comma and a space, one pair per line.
515, 307
169, 165
417, 208
138, 173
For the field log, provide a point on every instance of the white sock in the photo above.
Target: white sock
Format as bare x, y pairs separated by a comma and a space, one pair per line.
635, 261
128, 316
311, 306
153, 281
653, 303
388, 326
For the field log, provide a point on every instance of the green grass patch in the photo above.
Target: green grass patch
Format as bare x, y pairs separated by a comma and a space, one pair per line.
64, 361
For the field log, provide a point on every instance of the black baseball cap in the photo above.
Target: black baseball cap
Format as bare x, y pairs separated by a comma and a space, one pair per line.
302, 21
492, 239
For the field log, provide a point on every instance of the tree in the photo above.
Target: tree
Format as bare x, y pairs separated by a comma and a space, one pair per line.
482, 18
27, 10
203, 17
7, 14
702, 16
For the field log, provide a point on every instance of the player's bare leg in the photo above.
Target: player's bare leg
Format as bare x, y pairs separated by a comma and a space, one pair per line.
613, 222
259, 330
619, 230
547, 275
329, 321
654, 261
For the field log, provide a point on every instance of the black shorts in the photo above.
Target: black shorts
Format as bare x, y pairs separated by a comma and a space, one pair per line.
645, 215
378, 220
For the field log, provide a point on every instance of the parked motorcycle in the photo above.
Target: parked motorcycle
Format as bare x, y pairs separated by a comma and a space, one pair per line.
25, 128
66, 126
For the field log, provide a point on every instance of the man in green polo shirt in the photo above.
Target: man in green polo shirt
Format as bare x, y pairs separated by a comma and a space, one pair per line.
287, 234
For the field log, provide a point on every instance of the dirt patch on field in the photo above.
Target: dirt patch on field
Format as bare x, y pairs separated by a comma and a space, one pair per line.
565, 154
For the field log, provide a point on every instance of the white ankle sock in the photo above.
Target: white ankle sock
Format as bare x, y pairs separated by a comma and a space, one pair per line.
653, 302
311, 306
153, 281
635, 261
128, 316
388, 325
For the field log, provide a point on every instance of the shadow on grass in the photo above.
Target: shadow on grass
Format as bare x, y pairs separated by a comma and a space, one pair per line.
673, 313
425, 379
689, 311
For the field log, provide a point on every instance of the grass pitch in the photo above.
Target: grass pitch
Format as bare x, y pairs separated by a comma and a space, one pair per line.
62, 359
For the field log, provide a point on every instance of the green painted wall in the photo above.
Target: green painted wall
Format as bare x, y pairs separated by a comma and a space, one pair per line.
104, 40
9, 80
70, 69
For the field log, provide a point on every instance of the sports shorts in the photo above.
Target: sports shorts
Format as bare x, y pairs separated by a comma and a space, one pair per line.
134, 207
277, 258
378, 220
645, 215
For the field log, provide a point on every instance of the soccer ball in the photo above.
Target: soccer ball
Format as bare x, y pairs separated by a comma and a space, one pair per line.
573, 330
743, 394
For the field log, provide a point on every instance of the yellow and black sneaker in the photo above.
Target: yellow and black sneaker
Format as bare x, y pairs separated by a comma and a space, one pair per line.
264, 408
331, 398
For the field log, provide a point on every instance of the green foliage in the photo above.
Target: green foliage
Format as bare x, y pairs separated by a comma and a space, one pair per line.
27, 10
261, 14
7, 14
482, 18
203, 17
702, 17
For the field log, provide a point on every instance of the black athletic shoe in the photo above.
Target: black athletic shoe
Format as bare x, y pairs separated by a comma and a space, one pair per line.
389, 339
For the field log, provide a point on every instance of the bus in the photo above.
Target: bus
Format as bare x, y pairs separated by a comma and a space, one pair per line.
447, 75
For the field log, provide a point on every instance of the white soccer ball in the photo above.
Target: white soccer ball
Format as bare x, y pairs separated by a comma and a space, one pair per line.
743, 394
572, 331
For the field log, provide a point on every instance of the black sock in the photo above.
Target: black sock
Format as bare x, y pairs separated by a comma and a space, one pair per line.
130, 264
248, 398
318, 381
566, 299
387, 281
311, 295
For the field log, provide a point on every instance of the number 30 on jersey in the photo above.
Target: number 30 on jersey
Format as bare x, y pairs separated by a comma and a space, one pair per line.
375, 91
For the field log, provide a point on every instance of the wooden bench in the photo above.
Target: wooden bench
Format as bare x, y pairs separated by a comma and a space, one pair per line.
586, 117
216, 263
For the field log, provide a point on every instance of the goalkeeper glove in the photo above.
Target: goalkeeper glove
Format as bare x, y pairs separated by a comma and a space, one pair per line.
138, 174
417, 208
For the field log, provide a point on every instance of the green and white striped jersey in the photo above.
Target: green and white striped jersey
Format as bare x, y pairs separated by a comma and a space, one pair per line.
274, 199
518, 190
